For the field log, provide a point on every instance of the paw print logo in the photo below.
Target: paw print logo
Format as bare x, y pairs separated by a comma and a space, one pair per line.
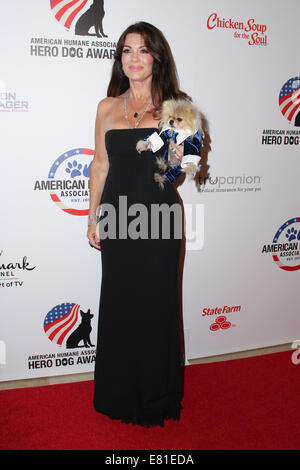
75, 170
291, 234
72, 167
220, 323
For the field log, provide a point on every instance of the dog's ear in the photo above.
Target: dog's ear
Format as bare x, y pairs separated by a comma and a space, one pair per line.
194, 117
166, 105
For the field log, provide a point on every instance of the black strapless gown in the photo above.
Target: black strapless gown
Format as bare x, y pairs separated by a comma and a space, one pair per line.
138, 369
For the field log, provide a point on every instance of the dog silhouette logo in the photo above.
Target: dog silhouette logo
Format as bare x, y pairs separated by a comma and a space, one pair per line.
63, 327
75, 14
82, 332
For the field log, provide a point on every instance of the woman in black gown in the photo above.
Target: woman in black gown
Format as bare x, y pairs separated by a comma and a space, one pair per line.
138, 375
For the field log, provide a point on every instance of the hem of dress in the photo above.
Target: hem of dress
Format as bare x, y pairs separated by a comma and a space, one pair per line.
146, 421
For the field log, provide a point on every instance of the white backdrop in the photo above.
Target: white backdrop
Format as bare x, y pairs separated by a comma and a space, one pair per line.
234, 58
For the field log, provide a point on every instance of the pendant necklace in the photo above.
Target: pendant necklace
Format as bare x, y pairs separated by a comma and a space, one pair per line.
135, 114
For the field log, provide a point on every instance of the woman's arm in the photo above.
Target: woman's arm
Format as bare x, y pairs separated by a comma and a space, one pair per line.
98, 173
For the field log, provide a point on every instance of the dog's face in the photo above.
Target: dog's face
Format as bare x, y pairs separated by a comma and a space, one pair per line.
180, 115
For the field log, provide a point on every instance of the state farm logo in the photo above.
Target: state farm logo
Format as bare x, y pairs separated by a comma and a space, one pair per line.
221, 322
251, 30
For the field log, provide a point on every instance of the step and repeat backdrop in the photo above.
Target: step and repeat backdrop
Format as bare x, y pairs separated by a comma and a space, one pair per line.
240, 282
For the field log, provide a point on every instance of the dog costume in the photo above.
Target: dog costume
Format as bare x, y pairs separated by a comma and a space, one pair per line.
168, 172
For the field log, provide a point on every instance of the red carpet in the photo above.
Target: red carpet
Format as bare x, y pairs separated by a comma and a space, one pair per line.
250, 403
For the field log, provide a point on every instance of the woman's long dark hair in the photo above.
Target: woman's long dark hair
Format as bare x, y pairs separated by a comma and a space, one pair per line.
165, 83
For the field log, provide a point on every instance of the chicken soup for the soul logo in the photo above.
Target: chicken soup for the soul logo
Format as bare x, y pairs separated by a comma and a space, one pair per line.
68, 181
84, 20
285, 247
252, 31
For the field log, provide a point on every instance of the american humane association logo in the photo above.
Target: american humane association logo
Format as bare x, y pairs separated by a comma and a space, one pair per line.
289, 106
75, 14
82, 18
289, 100
68, 181
68, 326
62, 326
285, 247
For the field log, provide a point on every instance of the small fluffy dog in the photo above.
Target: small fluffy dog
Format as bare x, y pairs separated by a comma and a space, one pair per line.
180, 121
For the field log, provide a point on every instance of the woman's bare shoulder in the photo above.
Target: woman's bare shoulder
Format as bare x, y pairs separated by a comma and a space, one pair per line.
110, 112
108, 103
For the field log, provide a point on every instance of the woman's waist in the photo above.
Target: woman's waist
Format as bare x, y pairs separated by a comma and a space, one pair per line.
138, 192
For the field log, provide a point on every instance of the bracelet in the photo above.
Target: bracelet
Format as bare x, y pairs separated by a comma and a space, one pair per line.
93, 219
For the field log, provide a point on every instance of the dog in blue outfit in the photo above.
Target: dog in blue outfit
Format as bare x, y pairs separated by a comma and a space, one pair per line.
180, 121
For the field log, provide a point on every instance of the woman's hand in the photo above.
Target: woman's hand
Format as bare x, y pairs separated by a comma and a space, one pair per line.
93, 238
175, 153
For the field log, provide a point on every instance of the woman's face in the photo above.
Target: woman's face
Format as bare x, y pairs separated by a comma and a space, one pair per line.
137, 61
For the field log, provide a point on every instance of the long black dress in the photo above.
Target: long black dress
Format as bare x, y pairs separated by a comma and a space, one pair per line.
138, 375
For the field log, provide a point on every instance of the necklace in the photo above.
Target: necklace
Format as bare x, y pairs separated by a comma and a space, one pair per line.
135, 114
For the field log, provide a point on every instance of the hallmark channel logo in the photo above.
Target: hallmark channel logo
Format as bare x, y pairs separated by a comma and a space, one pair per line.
68, 181
12, 271
285, 247
251, 31
82, 18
